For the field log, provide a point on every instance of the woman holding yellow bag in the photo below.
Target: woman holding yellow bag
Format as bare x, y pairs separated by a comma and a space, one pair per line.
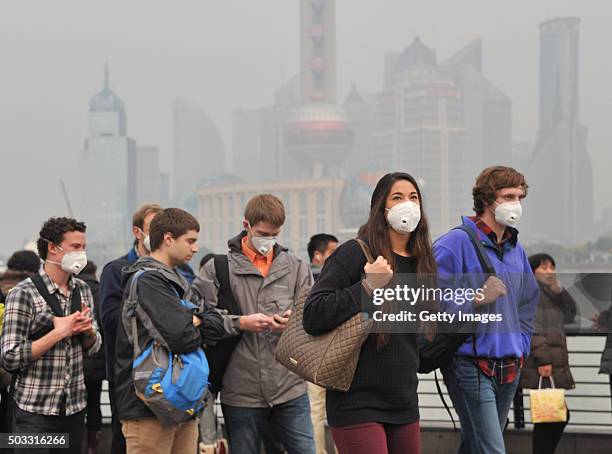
548, 363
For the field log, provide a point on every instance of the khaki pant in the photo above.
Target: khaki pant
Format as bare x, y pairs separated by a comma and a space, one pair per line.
148, 436
316, 395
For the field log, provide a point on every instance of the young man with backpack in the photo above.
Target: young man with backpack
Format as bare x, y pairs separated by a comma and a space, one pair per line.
161, 319
48, 326
257, 284
484, 373
111, 292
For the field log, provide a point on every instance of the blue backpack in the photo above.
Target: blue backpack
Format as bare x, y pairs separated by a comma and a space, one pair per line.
173, 386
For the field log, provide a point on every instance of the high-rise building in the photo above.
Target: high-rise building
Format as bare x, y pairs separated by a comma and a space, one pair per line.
145, 179
258, 145
199, 152
360, 109
164, 188
560, 175
487, 112
104, 170
420, 129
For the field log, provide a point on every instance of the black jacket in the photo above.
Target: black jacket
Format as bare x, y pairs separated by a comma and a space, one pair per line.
173, 321
548, 343
94, 367
605, 324
111, 291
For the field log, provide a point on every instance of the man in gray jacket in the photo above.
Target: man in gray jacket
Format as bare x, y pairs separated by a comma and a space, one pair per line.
264, 280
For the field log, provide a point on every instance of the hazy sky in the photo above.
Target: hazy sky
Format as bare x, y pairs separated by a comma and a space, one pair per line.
233, 54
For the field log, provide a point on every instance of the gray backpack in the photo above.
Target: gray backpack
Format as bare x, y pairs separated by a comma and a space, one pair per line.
173, 386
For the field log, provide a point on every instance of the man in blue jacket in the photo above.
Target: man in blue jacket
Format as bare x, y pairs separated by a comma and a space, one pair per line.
111, 291
484, 374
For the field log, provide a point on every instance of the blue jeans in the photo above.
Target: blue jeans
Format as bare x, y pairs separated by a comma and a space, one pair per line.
482, 408
290, 422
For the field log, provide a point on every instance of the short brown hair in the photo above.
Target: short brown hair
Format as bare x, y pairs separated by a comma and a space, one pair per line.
175, 221
139, 217
265, 208
491, 180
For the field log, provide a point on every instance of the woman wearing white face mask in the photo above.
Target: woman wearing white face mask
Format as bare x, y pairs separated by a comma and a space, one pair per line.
379, 414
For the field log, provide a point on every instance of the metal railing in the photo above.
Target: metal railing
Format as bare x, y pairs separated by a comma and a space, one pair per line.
589, 402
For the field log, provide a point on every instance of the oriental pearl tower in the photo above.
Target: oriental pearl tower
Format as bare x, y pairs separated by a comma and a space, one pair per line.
318, 134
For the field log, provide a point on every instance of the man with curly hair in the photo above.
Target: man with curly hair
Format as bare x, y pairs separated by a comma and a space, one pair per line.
484, 373
48, 326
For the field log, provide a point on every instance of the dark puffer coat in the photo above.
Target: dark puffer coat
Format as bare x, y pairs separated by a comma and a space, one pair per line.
548, 344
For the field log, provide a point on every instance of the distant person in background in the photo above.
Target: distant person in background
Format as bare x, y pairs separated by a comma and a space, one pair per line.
24, 261
94, 367
320, 247
549, 358
603, 322
20, 266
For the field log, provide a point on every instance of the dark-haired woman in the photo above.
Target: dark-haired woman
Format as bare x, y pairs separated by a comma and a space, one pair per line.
549, 358
379, 414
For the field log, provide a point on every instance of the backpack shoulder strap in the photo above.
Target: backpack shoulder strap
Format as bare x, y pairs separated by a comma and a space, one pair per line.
439, 389
51, 300
483, 257
75, 300
226, 296
366, 250
132, 300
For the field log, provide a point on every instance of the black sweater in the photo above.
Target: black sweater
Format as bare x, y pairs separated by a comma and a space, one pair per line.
384, 387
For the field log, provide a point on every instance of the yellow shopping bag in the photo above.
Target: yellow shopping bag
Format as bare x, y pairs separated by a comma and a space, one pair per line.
548, 405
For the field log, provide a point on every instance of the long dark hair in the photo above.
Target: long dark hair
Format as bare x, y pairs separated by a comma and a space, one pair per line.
376, 233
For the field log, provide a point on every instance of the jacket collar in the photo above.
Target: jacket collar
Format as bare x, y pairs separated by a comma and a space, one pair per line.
486, 234
169, 273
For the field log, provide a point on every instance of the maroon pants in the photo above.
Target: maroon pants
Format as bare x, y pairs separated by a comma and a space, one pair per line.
376, 438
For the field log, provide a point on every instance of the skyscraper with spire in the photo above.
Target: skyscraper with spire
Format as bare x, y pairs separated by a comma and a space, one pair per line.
104, 171
318, 135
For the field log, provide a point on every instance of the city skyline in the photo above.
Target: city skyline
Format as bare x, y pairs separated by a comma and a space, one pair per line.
145, 130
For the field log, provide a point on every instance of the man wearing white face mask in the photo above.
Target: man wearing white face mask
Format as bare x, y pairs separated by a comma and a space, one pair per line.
484, 374
111, 291
257, 283
48, 326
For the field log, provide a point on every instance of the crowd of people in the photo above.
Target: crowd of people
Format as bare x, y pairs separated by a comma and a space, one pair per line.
63, 332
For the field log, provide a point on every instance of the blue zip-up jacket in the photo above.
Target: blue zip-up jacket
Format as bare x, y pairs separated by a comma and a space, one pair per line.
458, 265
